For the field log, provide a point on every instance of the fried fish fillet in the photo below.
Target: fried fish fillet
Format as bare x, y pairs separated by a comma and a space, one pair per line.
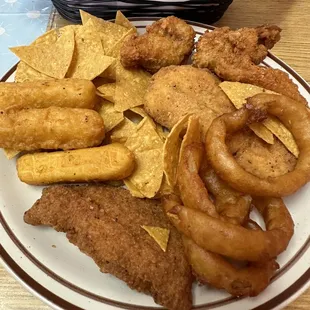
234, 55
175, 91
105, 223
166, 42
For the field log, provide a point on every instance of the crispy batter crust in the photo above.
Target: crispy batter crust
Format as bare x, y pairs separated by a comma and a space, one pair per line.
104, 222
166, 42
234, 55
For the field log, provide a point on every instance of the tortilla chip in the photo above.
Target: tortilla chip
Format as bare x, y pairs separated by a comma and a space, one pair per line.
10, 153
107, 91
192, 134
111, 118
47, 38
172, 148
25, 73
160, 235
109, 32
165, 188
110, 72
282, 133
238, 92
131, 86
88, 60
147, 147
50, 59
133, 190
122, 20
115, 50
161, 132
140, 111
146, 137
124, 130
148, 174
262, 132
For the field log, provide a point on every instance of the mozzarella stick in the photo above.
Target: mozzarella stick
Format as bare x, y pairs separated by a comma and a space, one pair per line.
51, 129
109, 162
70, 93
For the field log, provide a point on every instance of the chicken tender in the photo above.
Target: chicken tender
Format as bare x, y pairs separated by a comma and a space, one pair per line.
166, 42
70, 93
105, 223
51, 129
234, 55
179, 90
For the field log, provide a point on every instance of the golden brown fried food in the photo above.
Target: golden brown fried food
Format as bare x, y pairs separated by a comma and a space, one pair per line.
293, 114
237, 242
215, 270
179, 90
258, 157
66, 93
104, 163
166, 42
51, 128
234, 206
234, 55
105, 223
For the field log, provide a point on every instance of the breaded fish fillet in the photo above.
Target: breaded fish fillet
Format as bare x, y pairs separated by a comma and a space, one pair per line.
175, 91
234, 55
166, 42
105, 223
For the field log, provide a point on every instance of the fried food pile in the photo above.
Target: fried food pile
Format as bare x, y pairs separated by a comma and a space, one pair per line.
214, 219
105, 223
214, 133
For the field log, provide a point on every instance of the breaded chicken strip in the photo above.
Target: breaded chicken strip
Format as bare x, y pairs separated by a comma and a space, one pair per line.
234, 55
105, 223
176, 91
166, 42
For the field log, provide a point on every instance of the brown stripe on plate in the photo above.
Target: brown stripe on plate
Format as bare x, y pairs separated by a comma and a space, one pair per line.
29, 281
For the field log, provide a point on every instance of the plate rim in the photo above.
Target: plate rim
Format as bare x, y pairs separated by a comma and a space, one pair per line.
285, 297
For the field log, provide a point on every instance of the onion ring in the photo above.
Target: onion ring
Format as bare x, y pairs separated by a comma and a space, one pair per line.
194, 196
294, 115
210, 267
217, 271
229, 203
237, 242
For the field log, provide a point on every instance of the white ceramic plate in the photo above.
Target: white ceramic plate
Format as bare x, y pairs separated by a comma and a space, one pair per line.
58, 273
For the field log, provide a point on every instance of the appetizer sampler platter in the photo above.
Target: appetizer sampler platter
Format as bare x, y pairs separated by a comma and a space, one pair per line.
56, 271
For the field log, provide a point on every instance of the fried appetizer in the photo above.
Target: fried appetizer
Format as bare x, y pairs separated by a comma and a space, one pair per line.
70, 93
295, 117
105, 223
179, 90
109, 162
51, 128
234, 55
166, 42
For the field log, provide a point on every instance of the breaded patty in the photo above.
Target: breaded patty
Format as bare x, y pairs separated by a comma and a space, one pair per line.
179, 90
258, 157
105, 223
